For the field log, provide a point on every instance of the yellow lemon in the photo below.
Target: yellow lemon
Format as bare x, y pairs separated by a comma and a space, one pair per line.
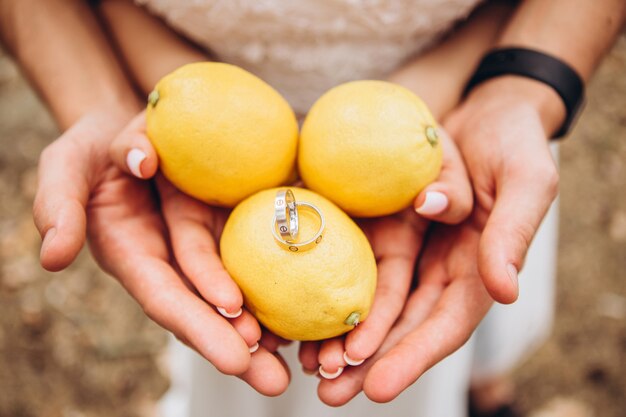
306, 295
370, 147
221, 133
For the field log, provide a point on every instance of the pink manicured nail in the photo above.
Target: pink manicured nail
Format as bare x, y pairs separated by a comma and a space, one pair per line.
254, 347
228, 315
134, 159
512, 271
351, 361
434, 203
327, 375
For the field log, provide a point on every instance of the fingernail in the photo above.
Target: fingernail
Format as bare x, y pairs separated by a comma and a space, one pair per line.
254, 347
351, 361
48, 238
434, 203
134, 159
327, 375
308, 371
228, 315
512, 271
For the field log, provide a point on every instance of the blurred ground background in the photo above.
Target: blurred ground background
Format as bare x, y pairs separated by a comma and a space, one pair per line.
74, 344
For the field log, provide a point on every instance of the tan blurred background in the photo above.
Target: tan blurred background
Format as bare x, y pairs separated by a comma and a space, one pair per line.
74, 344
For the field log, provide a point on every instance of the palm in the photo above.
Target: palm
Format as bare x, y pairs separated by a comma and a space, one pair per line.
130, 238
398, 235
439, 316
128, 232
125, 224
396, 240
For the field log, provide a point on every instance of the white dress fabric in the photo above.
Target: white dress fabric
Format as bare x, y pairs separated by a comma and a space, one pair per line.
303, 48
506, 336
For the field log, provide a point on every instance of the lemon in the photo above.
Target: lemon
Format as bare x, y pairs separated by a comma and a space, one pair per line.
370, 147
221, 133
305, 295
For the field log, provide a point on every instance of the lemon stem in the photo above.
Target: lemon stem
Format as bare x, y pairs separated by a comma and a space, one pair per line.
153, 97
431, 135
353, 318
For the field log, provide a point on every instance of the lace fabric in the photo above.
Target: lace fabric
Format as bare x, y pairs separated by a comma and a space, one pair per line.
305, 47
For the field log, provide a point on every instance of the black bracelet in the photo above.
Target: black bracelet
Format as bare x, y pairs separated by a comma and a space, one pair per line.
538, 66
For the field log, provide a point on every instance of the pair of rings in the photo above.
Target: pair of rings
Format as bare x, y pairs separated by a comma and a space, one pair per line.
285, 224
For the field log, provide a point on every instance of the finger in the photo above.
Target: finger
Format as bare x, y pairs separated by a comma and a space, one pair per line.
132, 152
62, 194
331, 358
308, 355
523, 197
196, 252
248, 327
268, 373
395, 273
449, 199
447, 328
341, 390
272, 342
167, 301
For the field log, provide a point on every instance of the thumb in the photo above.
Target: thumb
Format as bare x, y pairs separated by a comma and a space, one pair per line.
132, 152
449, 199
523, 198
62, 194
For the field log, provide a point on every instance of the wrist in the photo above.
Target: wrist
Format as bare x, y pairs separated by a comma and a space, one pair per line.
103, 123
122, 108
116, 109
518, 90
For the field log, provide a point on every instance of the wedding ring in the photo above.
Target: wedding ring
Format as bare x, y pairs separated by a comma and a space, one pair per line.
286, 215
304, 245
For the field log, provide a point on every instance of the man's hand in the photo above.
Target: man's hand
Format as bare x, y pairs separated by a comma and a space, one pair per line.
396, 242
500, 130
514, 177
129, 239
437, 319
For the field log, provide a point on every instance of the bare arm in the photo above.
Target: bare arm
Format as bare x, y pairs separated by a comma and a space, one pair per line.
439, 75
502, 129
62, 50
578, 32
138, 36
503, 125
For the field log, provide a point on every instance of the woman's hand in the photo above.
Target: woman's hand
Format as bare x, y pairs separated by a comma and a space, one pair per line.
396, 241
81, 189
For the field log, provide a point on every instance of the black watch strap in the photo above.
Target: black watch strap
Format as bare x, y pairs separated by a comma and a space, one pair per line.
541, 67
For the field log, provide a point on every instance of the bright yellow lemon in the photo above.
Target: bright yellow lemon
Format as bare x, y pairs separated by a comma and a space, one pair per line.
370, 147
305, 295
221, 133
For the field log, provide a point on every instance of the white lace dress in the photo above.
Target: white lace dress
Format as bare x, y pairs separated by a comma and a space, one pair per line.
302, 48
